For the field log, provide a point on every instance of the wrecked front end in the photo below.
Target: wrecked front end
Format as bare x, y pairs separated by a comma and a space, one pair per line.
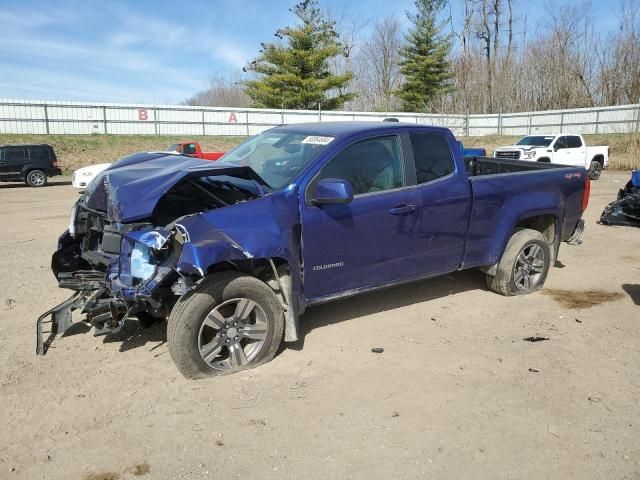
136, 244
625, 211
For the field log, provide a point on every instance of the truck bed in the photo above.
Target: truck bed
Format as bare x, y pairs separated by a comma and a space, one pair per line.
503, 188
480, 166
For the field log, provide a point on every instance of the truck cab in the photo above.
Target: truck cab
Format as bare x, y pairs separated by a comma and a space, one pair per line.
193, 149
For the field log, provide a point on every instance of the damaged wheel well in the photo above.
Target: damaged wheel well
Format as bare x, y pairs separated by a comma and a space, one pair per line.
256, 267
545, 224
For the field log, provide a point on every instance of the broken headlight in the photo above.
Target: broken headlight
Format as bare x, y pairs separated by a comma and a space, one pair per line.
142, 263
72, 221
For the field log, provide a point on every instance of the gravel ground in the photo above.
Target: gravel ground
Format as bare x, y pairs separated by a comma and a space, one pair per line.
457, 392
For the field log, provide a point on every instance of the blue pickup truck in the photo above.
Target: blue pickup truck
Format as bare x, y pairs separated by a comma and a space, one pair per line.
232, 253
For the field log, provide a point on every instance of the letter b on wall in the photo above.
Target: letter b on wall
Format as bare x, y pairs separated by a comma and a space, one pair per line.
143, 115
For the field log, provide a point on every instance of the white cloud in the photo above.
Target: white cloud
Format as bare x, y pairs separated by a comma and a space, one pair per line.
132, 56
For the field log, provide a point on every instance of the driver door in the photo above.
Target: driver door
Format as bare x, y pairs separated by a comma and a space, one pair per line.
371, 240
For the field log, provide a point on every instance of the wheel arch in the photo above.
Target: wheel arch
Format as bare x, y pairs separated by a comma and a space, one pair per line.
547, 223
275, 272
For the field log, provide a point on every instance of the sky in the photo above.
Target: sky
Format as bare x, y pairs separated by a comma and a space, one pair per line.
147, 51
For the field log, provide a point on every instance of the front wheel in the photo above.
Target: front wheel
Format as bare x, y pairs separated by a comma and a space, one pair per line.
595, 170
231, 322
524, 265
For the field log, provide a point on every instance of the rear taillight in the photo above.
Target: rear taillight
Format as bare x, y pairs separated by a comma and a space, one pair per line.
55, 162
585, 194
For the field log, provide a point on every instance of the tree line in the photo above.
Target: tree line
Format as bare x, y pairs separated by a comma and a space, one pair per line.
489, 60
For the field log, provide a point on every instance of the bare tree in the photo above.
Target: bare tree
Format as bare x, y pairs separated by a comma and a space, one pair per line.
223, 91
379, 72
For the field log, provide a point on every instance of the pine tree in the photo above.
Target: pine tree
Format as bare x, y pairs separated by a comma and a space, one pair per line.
424, 58
297, 75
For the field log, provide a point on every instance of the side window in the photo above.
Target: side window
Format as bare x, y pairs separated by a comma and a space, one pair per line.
574, 142
561, 143
189, 149
432, 156
15, 154
371, 165
39, 154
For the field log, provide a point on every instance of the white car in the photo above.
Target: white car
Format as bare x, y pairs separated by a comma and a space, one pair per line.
83, 176
563, 148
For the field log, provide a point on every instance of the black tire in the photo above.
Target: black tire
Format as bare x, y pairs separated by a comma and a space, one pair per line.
595, 170
544, 160
185, 327
36, 178
509, 274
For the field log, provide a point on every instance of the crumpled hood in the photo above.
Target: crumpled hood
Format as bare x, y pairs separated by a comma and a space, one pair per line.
130, 189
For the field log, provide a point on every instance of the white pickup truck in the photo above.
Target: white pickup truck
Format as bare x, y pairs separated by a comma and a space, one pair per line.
566, 149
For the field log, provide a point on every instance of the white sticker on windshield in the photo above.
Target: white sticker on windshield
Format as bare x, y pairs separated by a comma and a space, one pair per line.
316, 140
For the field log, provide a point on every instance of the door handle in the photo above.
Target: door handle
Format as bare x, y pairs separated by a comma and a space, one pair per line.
402, 209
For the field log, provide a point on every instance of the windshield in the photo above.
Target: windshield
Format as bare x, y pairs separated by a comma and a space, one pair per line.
277, 157
537, 141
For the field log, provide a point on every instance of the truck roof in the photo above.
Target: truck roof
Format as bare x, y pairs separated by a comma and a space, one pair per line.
336, 129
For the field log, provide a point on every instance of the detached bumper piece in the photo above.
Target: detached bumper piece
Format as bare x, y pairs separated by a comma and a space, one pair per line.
60, 320
574, 239
625, 210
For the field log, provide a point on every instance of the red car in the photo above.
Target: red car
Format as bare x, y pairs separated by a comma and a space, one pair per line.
193, 149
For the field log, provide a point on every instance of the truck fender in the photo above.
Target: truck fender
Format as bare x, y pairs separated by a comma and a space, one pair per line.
519, 213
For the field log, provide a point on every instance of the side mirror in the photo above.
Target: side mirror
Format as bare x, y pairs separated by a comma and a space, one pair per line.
332, 191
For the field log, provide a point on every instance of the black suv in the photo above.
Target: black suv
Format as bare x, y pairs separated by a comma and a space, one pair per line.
31, 164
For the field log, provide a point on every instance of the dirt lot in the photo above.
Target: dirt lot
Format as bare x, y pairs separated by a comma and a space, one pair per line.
457, 393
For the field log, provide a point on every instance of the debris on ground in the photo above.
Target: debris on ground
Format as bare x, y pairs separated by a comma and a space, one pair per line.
377, 349
578, 320
625, 210
533, 370
535, 339
395, 414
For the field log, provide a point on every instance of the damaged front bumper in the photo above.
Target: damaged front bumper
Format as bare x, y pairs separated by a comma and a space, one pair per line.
115, 271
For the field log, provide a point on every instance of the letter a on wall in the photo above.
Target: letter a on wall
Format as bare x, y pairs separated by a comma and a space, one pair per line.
233, 118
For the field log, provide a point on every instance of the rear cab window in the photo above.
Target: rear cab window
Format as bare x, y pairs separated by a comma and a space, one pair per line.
574, 141
432, 156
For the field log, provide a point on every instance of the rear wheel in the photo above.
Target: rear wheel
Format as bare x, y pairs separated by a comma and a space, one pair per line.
524, 265
231, 322
36, 178
595, 170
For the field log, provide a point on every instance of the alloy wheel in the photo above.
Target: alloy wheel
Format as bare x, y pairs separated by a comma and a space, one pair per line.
233, 334
529, 267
